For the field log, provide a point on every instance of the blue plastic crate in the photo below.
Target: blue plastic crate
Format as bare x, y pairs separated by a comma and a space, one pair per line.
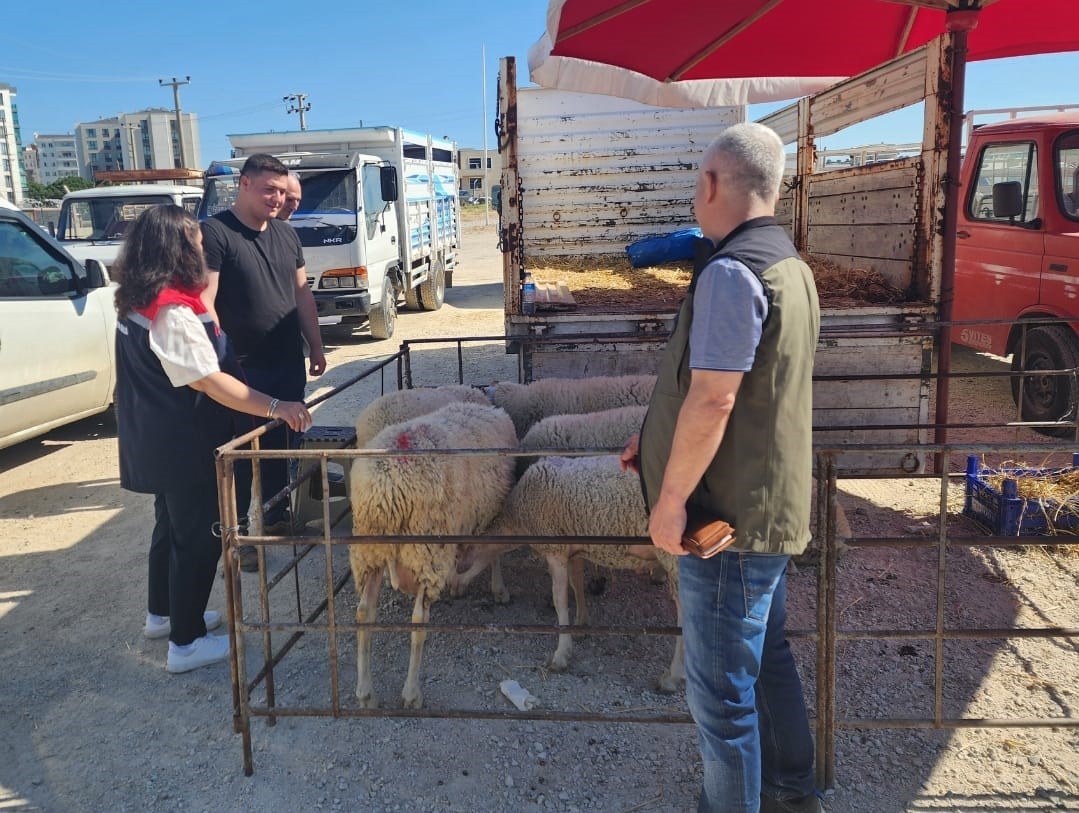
1004, 513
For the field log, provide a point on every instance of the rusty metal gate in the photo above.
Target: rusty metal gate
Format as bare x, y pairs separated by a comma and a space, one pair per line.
259, 625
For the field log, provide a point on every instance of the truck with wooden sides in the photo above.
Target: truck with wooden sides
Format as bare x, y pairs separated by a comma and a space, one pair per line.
585, 175
379, 219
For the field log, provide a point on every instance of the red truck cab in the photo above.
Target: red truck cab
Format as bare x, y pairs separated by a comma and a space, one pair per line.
1017, 257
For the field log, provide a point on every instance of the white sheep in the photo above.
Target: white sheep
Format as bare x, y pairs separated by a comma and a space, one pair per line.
606, 429
586, 496
529, 403
421, 495
402, 405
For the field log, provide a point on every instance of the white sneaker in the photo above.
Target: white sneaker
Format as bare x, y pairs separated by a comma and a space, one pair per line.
204, 651
162, 628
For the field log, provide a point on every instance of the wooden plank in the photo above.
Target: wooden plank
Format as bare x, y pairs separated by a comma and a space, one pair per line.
899, 174
854, 358
888, 394
855, 418
893, 86
872, 209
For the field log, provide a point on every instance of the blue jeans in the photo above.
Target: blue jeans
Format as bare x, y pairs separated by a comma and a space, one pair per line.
286, 382
741, 681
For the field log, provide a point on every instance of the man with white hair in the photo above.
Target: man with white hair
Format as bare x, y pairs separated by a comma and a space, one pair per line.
729, 433
293, 194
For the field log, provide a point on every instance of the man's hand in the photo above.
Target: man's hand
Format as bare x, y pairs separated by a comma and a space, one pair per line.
318, 361
629, 460
666, 525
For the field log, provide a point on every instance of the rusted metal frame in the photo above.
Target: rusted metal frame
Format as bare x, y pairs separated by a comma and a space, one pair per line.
963, 541
826, 628
482, 714
512, 201
943, 465
958, 722
979, 634
331, 610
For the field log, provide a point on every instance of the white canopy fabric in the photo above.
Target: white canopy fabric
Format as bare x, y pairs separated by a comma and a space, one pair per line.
585, 76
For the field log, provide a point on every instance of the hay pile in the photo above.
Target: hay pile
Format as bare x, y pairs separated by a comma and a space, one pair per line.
1054, 495
609, 281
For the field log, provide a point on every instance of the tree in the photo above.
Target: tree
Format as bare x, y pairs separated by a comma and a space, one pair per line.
71, 183
36, 190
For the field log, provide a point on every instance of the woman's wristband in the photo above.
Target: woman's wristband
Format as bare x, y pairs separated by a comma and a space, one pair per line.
273, 405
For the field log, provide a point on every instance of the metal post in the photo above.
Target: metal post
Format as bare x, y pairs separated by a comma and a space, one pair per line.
176, 103
299, 104
486, 184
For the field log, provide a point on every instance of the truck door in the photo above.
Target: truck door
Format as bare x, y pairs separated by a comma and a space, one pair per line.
1060, 271
380, 224
998, 260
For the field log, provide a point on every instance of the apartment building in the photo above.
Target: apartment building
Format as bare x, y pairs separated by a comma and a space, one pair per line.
54, 157
146, 139
12, 176
471, 164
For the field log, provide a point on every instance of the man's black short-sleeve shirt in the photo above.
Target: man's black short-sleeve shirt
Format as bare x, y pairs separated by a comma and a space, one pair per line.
256, 291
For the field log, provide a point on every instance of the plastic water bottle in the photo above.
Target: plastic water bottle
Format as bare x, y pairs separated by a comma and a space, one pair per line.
528, 295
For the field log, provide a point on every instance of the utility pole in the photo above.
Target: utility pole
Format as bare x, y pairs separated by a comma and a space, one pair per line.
176, 102
298, 104
486, 186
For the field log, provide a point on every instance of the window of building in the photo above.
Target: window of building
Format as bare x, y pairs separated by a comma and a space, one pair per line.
475, 163
104, 132
488, 163
92, 144
91, 132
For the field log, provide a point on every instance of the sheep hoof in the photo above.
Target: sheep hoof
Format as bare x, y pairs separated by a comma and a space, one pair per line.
557, 664
367, 700
413, 701
501, 596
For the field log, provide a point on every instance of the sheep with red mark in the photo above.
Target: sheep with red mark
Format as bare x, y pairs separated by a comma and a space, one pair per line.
394, 407
423, 495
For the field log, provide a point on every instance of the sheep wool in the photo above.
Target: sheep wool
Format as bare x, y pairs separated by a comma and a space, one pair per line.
420, 495
606, 429
395, 407
529, 403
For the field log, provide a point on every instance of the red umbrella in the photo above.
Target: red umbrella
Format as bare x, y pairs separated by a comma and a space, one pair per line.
670, 52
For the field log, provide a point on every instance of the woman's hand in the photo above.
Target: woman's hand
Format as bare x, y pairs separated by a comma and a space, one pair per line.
294, 413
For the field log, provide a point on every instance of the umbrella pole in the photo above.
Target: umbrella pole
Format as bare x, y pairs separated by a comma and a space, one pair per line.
960, 22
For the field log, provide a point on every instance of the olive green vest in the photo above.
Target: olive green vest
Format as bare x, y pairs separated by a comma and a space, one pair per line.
761, 478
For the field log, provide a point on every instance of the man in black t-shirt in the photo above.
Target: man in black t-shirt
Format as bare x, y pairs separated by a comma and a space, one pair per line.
258, 293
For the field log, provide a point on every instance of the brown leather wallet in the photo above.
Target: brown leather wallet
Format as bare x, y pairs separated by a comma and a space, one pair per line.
705, 535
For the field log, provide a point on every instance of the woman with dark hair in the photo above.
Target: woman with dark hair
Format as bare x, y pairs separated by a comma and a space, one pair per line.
178, 389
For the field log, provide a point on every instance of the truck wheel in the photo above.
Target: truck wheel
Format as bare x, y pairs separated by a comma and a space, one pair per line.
1048, 397
412, 299
383, 318
432, 292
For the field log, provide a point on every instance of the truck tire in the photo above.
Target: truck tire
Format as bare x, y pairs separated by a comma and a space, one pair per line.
432, 291
412, 299
1048, 397
383, 318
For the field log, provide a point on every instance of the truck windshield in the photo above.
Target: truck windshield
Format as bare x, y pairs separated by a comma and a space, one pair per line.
218, 194
104, 218
328, 209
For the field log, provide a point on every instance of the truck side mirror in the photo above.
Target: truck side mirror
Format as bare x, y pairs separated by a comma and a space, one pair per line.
95, 274
387, 177
496, 198
1007, 199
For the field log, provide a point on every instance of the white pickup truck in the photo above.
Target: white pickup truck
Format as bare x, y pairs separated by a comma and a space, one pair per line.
57, 328
93, 221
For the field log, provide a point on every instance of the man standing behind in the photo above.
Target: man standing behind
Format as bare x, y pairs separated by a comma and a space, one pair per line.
258, 286
293, 195
729, 429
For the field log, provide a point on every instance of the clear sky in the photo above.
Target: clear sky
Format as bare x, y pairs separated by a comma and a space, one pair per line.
412, 64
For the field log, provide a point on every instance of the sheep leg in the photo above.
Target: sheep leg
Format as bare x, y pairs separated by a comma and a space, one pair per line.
559, 568
412, 694
498, 586
576, 581
366, 612
675, 676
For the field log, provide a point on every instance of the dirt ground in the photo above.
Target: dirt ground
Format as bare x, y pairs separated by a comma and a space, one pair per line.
90, 720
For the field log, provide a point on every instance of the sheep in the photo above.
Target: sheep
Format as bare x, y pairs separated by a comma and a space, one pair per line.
529, 403
605, 429
434, 494
586, 496
402, 405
